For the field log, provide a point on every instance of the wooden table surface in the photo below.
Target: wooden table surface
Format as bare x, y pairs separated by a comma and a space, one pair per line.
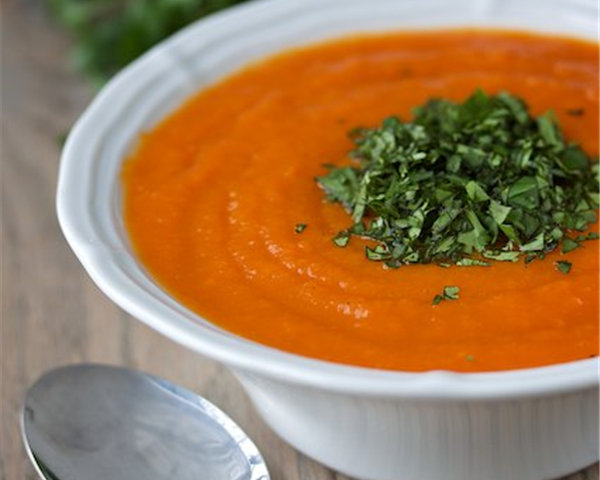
52, 314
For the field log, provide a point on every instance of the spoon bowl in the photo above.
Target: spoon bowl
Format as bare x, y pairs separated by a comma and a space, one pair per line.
93, 422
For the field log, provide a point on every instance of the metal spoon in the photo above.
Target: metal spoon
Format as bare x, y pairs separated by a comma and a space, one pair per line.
93, 422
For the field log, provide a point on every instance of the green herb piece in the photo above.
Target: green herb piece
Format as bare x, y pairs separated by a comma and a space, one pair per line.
462, 183
378, 254
61, 138
469, 358
563, 266
588, 236
530, 258
502, 256
300, 227
569, 244
449, 293
471, 262
342, 238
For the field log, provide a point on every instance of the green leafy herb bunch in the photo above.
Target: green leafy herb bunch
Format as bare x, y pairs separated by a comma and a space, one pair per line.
465, 183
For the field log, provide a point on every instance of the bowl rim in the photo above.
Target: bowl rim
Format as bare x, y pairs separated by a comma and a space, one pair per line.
104, 264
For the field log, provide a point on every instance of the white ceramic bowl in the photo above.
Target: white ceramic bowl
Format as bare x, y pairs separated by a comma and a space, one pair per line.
529, 424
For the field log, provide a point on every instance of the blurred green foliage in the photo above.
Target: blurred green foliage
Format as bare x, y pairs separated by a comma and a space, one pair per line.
108, 34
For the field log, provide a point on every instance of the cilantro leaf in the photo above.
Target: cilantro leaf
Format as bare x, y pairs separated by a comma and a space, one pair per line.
450, 292
563, 266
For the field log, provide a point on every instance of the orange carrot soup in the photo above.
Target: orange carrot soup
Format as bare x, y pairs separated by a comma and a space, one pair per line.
222, 207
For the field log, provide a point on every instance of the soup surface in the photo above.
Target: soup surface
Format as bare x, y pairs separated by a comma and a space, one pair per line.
213, 195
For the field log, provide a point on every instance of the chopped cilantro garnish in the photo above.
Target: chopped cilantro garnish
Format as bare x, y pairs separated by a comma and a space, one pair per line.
300, 227
464, 183
449, 293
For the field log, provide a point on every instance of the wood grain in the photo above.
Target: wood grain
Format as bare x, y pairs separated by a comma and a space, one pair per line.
51, 312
